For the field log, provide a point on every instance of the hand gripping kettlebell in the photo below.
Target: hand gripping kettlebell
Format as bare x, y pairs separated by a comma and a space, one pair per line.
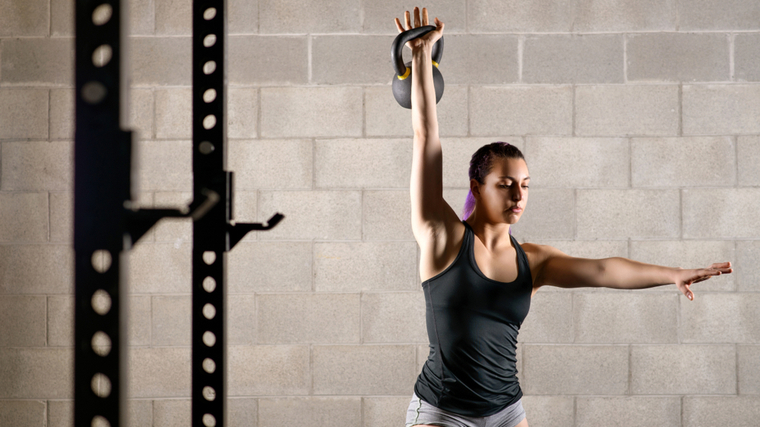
402, 80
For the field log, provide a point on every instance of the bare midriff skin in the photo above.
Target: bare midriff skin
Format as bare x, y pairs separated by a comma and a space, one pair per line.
440, 233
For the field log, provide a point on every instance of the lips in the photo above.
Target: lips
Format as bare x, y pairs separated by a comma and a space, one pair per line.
516, 209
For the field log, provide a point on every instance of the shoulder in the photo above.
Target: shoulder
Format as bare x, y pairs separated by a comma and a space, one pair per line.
538, 255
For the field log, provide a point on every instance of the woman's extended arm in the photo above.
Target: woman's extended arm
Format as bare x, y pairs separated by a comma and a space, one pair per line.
565, 271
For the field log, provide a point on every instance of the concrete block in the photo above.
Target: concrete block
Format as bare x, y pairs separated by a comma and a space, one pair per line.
556, 411
584, 16
336, 60
720, 109
171, 413
174, 111
721, 318
739, 411
353, 163
311, 318
688, 254
172, 318
242, 17
22, 413
386, 215
242, 412
549, 213
260, 164
748, 366
365, 266
727, 213
311, 411
23, 216
567, 369
626, 110
36, 269
62, 114
37, 373
38, 61
38, 165
139, 413
611, 214
550, 319
242, 112
746, 269
393, 317
24, 320
578, 162
620, 317
141, 106
366, 369
292, 16
175, 230
165, 165
683, 369
683, 162
320, 215
269, 60
60, 413
174, 17
270, 266
241, 320
139, 321
60, 321
174, 68
27, 18
384, 411
62, 18
160, 268
746, 57
375, 19
23, 113
384, 117
521, 110
159, 372
573, 58
660, 411
748, 157
669, 56
464, 61
718, 15
311, 111
268, 370
142, 17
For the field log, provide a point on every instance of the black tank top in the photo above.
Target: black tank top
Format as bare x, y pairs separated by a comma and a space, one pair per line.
472, 324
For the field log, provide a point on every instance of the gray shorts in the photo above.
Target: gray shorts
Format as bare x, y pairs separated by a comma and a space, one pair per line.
421, 412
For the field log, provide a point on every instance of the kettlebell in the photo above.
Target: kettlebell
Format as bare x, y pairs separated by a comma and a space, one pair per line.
402, 80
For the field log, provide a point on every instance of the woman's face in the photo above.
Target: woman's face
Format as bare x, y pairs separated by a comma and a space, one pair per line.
505, 188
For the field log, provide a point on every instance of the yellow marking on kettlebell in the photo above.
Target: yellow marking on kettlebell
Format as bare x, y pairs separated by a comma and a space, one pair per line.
409, 71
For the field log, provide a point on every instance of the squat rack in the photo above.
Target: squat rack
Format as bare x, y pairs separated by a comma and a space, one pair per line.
107, 224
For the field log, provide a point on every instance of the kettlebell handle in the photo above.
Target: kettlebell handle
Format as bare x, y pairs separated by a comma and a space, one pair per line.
400, 41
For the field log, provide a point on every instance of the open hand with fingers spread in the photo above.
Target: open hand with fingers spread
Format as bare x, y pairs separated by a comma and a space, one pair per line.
428, 39
685, 278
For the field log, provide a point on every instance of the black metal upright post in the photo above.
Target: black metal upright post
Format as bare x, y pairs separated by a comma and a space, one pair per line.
214, 235
106, 221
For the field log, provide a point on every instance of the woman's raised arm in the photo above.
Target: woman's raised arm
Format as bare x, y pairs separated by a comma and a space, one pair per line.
429, 210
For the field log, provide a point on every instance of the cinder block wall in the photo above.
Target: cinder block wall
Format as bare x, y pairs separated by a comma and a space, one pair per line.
639, 121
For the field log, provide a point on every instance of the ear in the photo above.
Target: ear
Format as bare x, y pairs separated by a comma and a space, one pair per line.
475, 187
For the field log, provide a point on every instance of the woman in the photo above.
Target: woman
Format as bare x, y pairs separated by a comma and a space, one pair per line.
478, 281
